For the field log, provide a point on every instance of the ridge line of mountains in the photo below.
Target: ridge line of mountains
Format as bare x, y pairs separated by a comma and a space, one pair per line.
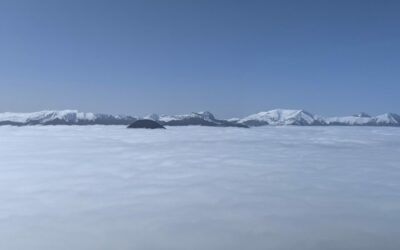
276, 117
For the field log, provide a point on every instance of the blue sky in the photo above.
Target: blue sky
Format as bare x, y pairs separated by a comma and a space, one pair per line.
230, 57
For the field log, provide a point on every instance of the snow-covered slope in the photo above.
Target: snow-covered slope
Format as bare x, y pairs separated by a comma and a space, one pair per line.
274, 117
195, 118
388, 119
204, 116
278, 117
282, 117
63, 117
74, 117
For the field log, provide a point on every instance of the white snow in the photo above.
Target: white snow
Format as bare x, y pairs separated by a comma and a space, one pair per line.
276, 117
280, 117
107, 187
207, 116
233, 119
387, 119
47, 115
350, 120
154, 117
380, 120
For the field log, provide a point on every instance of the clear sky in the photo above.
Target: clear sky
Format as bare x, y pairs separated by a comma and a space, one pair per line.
229, 57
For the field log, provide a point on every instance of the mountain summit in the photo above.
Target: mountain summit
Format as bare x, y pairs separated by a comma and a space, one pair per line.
388, 119
282, 117
63, 117
196, 118
275, 117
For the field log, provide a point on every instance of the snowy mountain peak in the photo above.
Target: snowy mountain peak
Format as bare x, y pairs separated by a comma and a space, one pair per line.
388, 118
46, 115
61, 117
362, 114
208, 116
280, 117
154, 117
274, 117
234, 119
204, 118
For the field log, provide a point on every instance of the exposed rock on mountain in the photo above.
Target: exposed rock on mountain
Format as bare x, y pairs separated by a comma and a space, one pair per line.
145, 123
199, 118
276, 117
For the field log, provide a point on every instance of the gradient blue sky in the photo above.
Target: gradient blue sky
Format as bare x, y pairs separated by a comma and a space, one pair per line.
230, 57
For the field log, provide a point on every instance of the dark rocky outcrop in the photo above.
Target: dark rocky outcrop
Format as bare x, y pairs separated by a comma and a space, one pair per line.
194, 119
150, 124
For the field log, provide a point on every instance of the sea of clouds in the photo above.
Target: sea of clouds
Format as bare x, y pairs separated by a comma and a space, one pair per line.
107, 187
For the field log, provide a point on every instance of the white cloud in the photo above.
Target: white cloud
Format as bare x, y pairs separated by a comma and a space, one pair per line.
107, 187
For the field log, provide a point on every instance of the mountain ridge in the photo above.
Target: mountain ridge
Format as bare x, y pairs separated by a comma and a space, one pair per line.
274, 117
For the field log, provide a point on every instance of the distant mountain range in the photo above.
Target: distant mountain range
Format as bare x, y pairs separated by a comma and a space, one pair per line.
63, 117
195, 118
304, 118
276, 117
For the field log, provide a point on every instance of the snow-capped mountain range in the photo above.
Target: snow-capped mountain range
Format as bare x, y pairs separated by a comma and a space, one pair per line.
304, 118
195, 118
63, 117
282, 117
388, 119
276, 117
